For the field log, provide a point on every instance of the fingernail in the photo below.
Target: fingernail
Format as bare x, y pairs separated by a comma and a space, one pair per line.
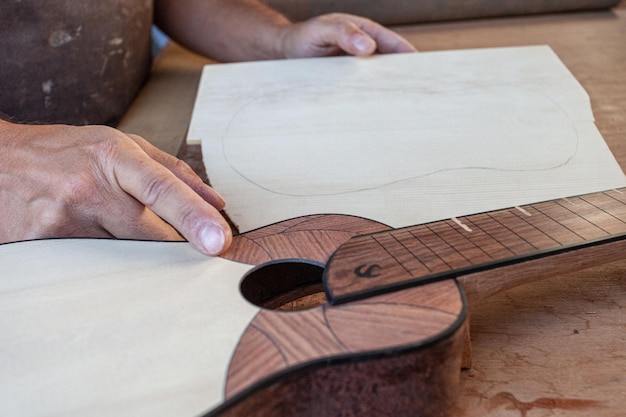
364, 44
212, 239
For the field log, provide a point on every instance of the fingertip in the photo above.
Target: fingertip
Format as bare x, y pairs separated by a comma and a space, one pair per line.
403, 46
363, 45
214, 239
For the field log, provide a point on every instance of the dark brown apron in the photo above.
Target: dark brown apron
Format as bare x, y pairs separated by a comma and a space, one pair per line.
71, 61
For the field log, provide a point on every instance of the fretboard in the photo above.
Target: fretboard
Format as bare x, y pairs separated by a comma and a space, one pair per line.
400, 258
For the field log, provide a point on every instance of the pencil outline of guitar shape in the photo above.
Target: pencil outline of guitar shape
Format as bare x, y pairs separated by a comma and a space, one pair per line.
466, 150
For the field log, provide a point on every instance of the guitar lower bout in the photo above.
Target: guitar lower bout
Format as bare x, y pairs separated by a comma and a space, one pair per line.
391, 355
398, 354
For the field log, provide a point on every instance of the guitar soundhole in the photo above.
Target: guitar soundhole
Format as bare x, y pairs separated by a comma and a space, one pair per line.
285, 285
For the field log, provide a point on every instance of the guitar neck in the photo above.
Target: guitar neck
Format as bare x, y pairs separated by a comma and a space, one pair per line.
487, 252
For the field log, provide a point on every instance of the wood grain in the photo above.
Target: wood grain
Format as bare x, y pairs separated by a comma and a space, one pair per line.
386, 385
409, 302
351, 357
543, 239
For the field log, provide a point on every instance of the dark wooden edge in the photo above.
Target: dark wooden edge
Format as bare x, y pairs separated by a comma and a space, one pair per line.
310, 372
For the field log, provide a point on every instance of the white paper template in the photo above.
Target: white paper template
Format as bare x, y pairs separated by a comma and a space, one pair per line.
402, 139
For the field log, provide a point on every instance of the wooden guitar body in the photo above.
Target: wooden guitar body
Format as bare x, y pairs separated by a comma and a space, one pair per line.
397, 354
145, 328
397, 364
401, 314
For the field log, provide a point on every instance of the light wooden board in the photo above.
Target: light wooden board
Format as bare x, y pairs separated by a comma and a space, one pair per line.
431, 135
124, 328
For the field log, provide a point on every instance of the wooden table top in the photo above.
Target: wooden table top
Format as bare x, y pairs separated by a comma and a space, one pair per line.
553, 348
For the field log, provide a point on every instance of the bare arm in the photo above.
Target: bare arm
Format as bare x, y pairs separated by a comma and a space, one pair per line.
242, 30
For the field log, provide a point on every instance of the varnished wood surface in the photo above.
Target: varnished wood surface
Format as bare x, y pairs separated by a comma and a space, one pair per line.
399, 322
362, 358
554, 348
378, 312
532, 242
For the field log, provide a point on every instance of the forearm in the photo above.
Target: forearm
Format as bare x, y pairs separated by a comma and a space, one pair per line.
226, 30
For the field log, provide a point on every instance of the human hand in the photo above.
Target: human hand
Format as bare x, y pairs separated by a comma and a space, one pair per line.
336, 33
95, 181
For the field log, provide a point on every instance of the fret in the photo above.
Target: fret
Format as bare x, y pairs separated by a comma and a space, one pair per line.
481, 238
619, 195
410, 261
596, 216
511, 240
444, 249
457, 239
558, 232
441, 248
561, 211
525, 229
421, 251
613, 209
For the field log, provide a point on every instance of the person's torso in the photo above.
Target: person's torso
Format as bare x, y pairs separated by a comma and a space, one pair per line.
68, 61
